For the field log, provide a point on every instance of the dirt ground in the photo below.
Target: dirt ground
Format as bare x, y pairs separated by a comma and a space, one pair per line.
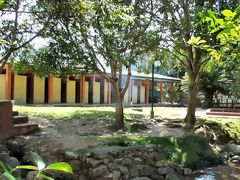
56, 137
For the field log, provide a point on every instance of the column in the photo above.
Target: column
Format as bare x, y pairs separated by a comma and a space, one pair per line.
172, 92
161, 92
147, 88
8, 82
82, 88
130, 92
50, 88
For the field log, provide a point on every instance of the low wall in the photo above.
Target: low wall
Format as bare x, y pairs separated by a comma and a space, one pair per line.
6, 122
126, 163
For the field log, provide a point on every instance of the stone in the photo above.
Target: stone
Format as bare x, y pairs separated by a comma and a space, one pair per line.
82, 177
157, 177
235, 161
4, 156
31, 175
234, 148
162, 170
147, 170
151, 155
116, 175
101, 156
141, 178
101, 170
93, 162
161, 163
3, 148
134, 170
138, 160
127, 161
160, 156
12, 162
187, 171
118, 161
171, 175
106, 161
236, 157
106, 177
71, 155
123, 170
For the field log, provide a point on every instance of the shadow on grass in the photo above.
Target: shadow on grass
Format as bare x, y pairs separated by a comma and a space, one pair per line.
95, 114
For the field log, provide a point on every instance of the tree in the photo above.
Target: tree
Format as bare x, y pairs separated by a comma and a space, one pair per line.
184, 27
182, 23
104, 35
227, 30
18, 30
212, 81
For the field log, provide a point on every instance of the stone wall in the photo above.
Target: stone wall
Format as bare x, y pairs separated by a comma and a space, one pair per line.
135, 163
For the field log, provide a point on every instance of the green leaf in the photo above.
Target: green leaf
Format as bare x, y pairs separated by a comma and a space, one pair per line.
60, 166
44, 176
227, 13
201, 42
28, 167
14, 42
3, 166
38, 160
9, 176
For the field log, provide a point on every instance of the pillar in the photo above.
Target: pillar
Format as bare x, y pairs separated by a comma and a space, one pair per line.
8, 82
147, 88
130, 92
82, 88
172, 92
108, 92
182, 98
161, 92
50, 88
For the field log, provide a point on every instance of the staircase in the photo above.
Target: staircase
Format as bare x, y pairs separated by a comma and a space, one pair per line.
22, 125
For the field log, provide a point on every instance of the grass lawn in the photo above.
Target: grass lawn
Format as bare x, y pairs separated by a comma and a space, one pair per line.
70, 112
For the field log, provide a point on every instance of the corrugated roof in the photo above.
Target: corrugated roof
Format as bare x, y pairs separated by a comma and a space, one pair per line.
157, 77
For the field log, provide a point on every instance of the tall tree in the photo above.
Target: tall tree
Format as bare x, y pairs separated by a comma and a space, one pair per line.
183, 19
18, 30
105, 36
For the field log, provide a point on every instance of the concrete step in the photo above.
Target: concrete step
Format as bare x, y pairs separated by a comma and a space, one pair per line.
20, 119
15, 113
26, 128
224, 113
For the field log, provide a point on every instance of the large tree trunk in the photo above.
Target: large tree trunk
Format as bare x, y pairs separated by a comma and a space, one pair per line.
119, 119
190, 118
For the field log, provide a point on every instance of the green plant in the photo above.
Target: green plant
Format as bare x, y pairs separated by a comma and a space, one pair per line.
40, 167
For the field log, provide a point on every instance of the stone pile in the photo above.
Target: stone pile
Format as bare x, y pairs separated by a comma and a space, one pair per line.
135, 163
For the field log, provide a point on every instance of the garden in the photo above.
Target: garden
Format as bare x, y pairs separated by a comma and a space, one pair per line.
82, 76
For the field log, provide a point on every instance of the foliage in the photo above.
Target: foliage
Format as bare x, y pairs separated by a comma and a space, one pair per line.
212, 81
225, 27
190, 150
181, 20
105, 37
40, 167
231, 126
18, 29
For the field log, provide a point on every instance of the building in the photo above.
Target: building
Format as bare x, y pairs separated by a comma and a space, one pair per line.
88, 89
